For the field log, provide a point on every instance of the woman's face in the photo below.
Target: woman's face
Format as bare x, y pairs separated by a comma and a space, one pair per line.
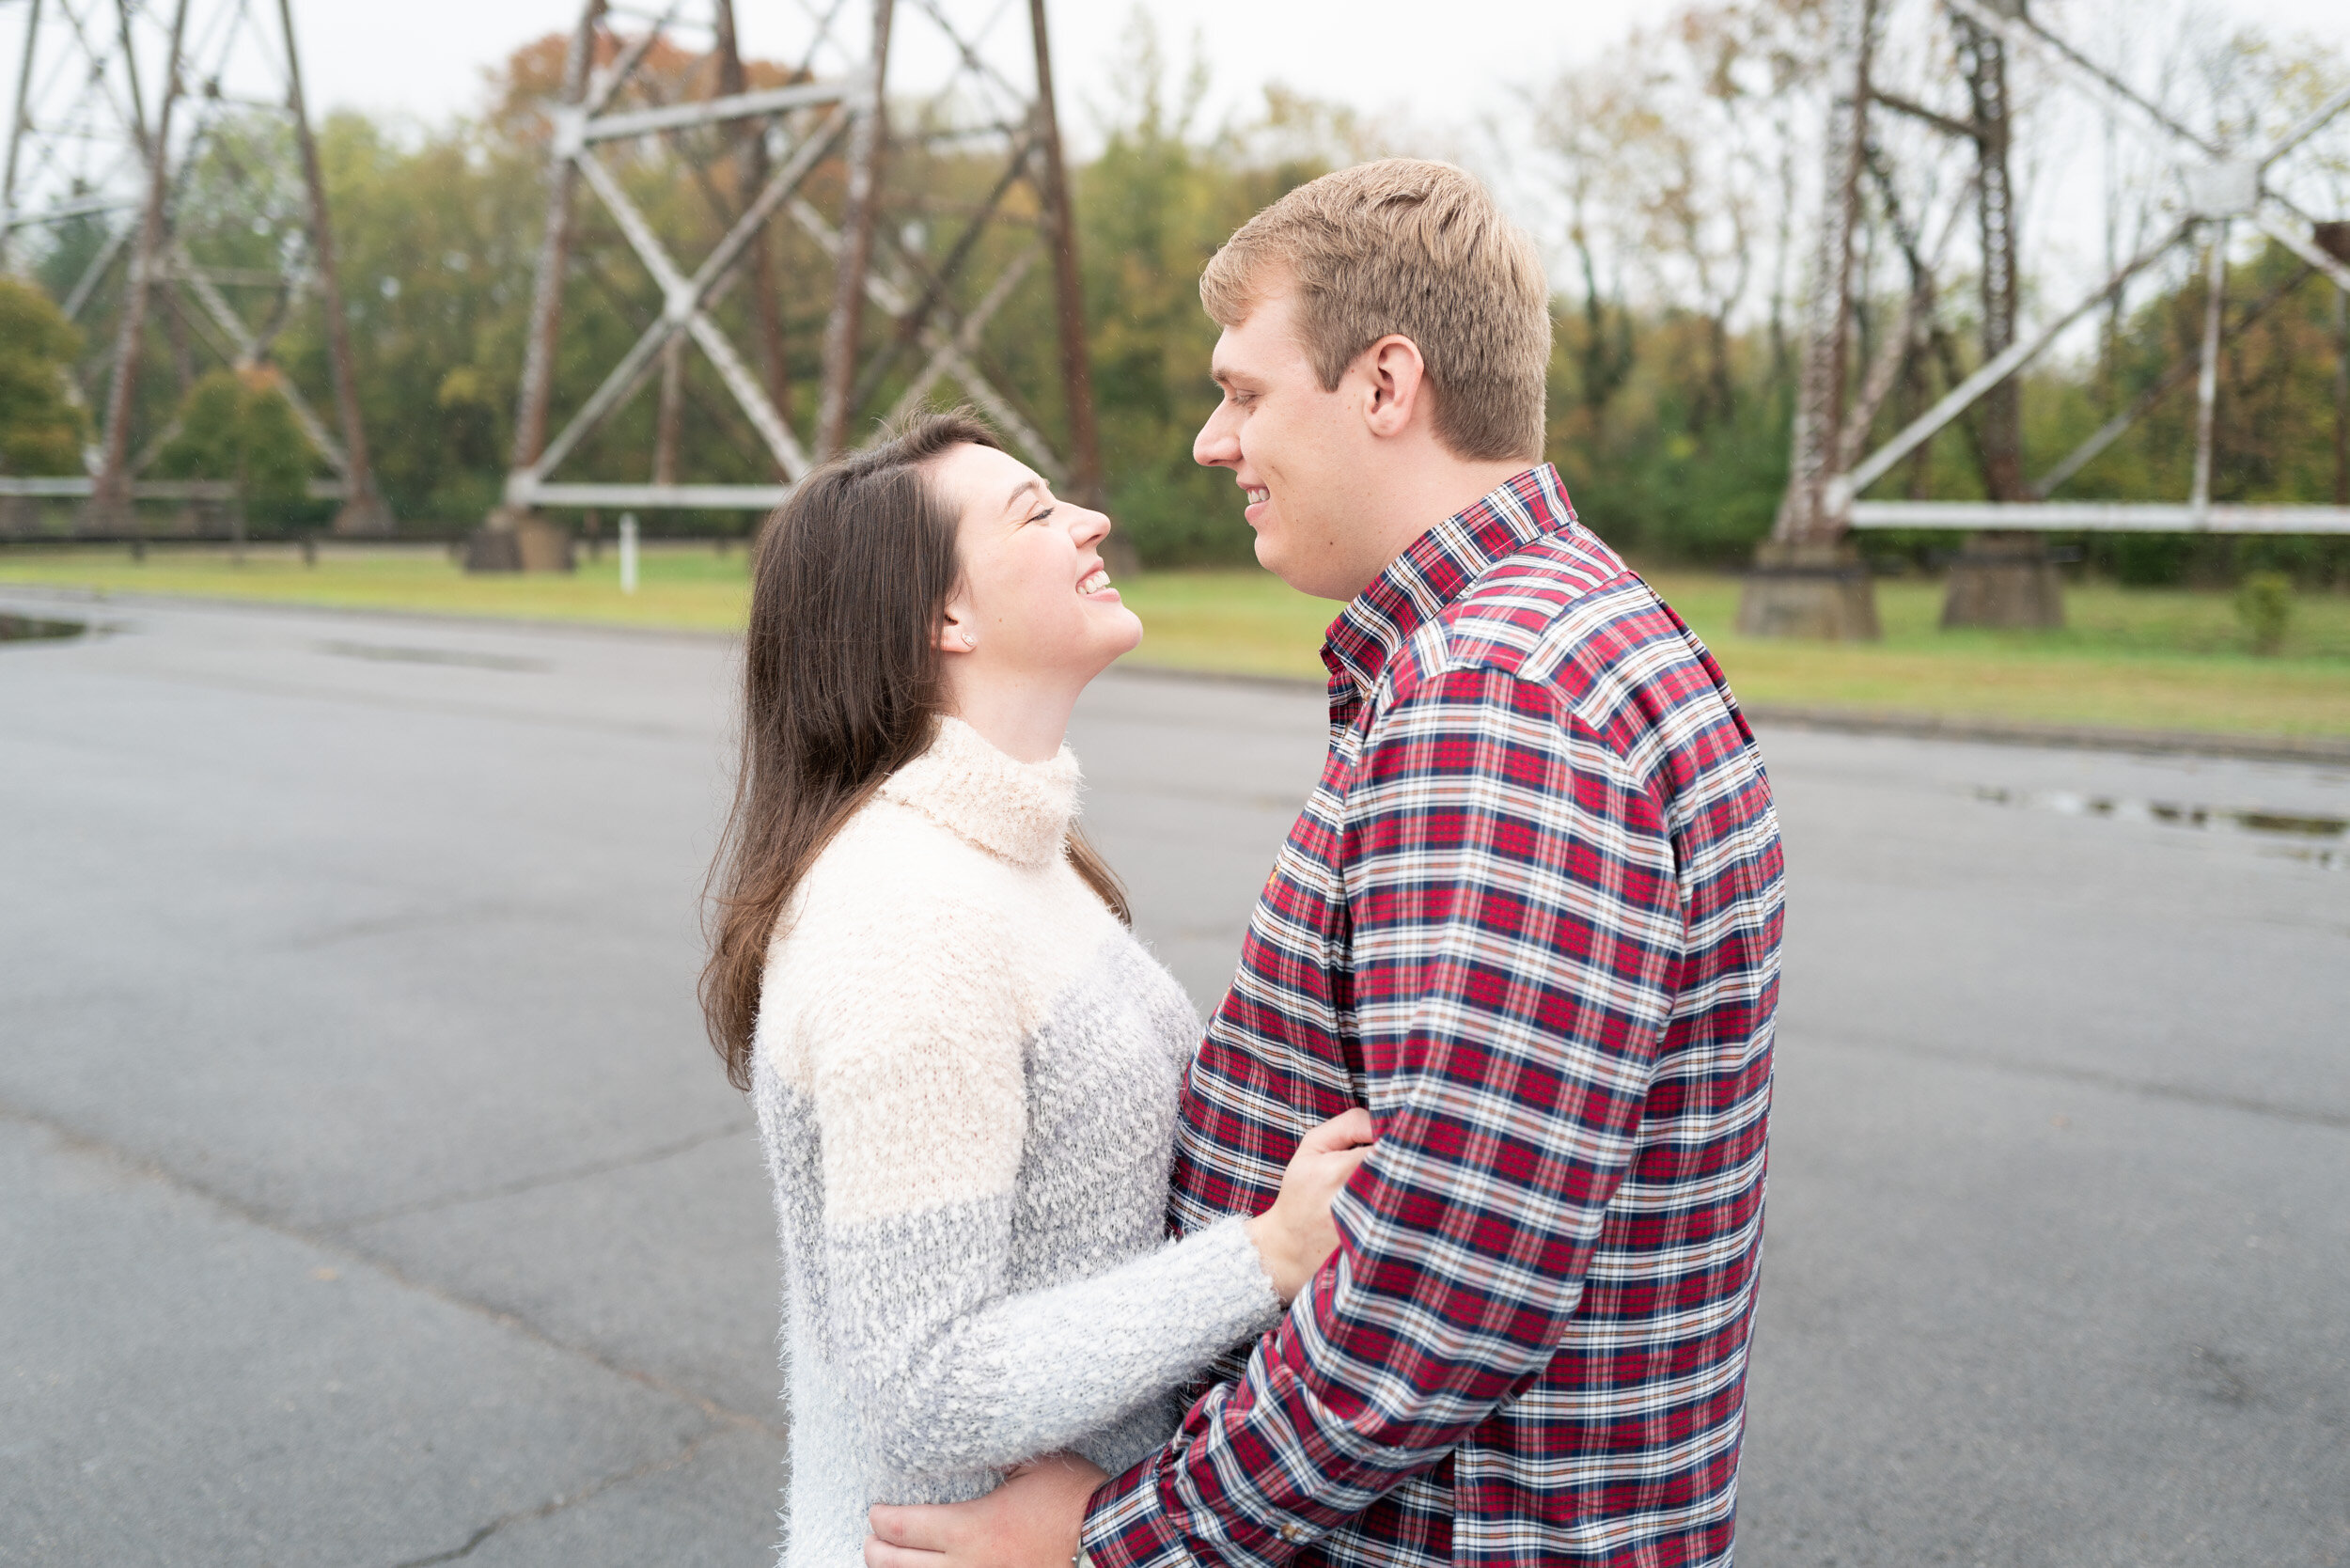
1035, 599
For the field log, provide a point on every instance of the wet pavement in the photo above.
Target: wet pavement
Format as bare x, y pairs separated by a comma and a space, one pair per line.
369, 1196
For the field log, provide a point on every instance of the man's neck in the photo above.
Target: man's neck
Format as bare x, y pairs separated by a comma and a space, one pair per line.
1419, 496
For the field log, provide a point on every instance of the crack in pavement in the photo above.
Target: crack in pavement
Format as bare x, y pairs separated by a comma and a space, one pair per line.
561, 1501
549, 1179
156, 1171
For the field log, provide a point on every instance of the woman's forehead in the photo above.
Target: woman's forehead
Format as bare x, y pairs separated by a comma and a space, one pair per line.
984, 481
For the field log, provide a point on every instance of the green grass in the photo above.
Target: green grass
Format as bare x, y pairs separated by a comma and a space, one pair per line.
695, 587
2134, 658
2155, 659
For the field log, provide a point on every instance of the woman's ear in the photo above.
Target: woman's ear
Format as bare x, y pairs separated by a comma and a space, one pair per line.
955, 633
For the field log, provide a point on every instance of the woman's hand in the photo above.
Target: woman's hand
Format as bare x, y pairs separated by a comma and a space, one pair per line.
1294, 1235
1035, 1520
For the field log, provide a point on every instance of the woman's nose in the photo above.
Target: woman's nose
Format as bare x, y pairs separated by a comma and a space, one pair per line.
1090, 525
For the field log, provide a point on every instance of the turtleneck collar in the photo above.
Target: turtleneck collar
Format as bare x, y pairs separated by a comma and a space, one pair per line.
1021, 811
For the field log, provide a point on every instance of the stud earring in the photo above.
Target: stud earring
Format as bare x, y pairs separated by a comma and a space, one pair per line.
970, 641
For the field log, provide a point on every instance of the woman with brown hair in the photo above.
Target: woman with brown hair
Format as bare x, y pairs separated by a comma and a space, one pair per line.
965, 1069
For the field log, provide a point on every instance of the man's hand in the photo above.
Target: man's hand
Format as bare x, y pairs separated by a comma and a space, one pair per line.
1031, 1521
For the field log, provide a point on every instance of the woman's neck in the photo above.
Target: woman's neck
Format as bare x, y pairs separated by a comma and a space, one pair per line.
1025, 718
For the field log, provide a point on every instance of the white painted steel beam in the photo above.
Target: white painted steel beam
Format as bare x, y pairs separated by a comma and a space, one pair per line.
719, 111
11, 219
2310, 125
78, 488
2132, 517
693, 497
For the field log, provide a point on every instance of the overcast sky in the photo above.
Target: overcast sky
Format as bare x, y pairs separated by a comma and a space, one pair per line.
424, 57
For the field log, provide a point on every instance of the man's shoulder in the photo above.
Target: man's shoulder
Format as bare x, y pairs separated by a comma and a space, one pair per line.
1564, 613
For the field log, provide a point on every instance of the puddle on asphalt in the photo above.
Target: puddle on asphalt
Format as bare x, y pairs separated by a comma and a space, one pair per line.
2302, 837
389, 653
26, 628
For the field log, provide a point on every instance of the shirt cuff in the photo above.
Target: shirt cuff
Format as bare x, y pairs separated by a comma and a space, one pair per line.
1124, 1527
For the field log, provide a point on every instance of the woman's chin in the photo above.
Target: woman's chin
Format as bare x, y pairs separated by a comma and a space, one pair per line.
1111, 649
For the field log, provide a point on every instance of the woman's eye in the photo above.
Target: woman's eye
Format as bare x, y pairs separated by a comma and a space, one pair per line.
1042, 515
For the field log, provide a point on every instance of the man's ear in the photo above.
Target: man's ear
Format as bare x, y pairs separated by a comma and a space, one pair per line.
1396, 384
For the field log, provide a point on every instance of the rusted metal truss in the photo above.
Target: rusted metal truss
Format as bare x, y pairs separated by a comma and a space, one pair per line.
840, 183
2214, 186
122, 110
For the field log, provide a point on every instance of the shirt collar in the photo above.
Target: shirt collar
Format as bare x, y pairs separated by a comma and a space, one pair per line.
1021, 811
1438, 567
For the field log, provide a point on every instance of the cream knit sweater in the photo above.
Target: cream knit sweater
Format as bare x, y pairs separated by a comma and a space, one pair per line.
966, 1073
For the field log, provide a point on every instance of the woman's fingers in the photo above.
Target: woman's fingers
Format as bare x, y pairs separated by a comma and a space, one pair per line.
881, 1554
907, 1529
1343, 1131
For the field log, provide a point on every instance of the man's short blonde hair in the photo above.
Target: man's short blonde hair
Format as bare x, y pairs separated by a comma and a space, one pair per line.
1420, 250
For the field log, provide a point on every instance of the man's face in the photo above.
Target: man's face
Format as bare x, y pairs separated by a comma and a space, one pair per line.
1297, 450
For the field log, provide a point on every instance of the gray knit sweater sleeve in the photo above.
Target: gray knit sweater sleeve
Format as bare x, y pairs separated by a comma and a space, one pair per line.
975, 1302
967, 1077
952, 1375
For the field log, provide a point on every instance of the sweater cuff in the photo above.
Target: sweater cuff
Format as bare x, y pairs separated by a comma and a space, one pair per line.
1257, 1306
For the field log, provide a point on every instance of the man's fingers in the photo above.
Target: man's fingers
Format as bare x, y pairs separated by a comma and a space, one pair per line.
881, 1554
919, 1527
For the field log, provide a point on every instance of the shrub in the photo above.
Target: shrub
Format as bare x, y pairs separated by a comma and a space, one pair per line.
2264, 605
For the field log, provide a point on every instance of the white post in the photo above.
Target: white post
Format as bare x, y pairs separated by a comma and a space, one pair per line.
2207, 383
628, 552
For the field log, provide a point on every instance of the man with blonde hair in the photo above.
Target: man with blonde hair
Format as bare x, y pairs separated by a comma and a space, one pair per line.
1529, 918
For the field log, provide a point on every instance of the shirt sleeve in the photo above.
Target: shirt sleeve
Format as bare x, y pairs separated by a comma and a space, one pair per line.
1516, 941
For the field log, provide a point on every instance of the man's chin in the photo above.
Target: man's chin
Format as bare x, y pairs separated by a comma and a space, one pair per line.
1282, 564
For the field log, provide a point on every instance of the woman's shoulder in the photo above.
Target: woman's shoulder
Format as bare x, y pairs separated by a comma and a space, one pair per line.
896, 918
888, 881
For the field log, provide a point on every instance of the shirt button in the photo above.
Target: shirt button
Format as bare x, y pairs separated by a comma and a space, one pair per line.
1292, 1532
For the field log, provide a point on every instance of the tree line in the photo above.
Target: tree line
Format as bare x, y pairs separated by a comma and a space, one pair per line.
1670, 178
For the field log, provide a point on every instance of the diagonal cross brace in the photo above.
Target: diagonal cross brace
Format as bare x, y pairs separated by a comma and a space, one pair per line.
684, 302
2299, 245
945, 351
2018, 355
250, 352
966, 338
2315, 121
2084, 72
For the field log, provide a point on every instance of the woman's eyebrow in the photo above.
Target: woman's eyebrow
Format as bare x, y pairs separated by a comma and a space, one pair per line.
1023, 488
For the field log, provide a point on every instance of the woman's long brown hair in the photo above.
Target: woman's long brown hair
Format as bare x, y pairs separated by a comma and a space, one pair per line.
842, 685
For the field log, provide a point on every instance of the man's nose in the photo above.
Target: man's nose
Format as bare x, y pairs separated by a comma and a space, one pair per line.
1217, 444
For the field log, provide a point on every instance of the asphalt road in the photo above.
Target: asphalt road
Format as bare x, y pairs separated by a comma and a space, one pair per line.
368, 1197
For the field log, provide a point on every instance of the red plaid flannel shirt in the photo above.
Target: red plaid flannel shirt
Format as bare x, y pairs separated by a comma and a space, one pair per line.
1530, 917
